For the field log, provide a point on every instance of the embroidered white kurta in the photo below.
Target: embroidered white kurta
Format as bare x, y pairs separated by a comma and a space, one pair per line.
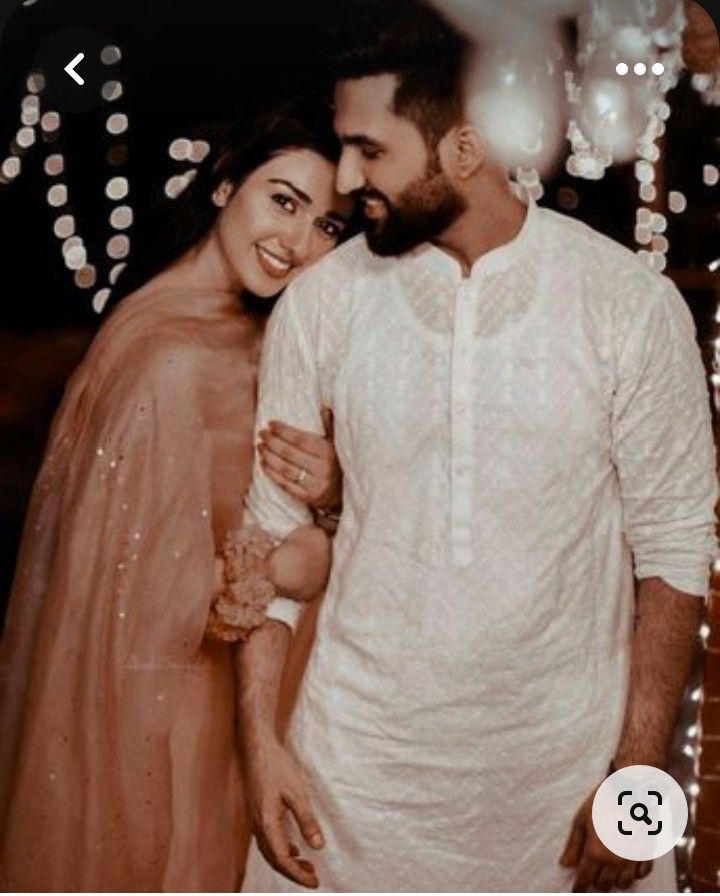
511, 441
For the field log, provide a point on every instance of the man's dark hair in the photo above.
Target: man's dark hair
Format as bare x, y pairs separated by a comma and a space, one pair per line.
410, 39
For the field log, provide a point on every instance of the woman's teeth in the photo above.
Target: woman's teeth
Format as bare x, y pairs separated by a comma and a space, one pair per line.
272, 264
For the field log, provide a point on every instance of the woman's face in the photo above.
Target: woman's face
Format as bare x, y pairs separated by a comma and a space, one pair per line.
284, 216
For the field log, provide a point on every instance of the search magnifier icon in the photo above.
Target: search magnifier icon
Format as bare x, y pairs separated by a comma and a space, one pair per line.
644, 814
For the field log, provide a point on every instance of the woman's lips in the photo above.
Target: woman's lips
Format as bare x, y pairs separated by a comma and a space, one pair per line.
273, 265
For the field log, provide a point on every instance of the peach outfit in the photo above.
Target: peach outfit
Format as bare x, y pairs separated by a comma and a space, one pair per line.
119, 768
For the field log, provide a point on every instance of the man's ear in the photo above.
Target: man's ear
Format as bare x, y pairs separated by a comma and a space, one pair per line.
462, 152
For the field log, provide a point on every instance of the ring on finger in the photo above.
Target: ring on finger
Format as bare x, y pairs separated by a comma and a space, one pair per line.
301, 476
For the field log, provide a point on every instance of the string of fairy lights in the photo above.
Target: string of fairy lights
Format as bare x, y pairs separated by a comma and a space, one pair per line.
45, 124
40, 123
708, 85
185, 152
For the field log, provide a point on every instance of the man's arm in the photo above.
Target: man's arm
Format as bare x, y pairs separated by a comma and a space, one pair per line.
663, 646
288, 391
664, 642
273, 781
665, 461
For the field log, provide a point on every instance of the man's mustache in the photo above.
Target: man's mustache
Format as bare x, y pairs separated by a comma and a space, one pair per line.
372, 194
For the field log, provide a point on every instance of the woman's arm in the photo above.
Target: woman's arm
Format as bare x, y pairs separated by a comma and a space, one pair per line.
303, 463
249, 571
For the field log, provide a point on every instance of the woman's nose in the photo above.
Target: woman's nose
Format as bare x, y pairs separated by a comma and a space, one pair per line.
349, 173
299, 239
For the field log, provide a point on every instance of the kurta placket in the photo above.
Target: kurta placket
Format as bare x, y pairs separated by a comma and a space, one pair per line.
461, 411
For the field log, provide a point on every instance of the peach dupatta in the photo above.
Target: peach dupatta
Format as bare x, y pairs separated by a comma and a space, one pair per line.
119, 768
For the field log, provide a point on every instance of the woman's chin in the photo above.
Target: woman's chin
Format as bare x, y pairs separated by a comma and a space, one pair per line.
267, 293
265, 287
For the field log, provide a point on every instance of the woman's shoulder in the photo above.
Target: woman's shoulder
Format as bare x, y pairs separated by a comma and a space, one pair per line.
156, 328
141, 355
143, 344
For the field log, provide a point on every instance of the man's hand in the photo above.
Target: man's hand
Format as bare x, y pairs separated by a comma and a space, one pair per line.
303, 463
596, 865
274, 786
663, 645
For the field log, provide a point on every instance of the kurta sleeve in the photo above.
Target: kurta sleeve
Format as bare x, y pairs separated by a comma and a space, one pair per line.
662, 443
289, 390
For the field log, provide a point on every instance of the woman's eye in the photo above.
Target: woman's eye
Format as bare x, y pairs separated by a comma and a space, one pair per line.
329, 229
286, 203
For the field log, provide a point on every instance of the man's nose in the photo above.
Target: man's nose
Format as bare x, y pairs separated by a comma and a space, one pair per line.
349, 174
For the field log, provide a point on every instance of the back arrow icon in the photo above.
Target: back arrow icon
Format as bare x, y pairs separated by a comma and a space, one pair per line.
70, 69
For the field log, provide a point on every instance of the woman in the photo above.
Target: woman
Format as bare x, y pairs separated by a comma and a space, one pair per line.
120, 771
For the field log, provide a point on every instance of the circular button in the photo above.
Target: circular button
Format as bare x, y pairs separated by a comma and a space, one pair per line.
80, 67
640, 813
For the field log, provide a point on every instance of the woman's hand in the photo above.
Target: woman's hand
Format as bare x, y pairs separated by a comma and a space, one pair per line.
300, 566
302, 463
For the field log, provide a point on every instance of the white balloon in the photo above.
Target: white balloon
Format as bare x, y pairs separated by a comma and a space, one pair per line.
515, 98
662, 20
610, 118
614, 109
548, 10
480, 17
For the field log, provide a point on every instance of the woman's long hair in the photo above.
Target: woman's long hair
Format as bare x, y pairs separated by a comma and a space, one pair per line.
175, 226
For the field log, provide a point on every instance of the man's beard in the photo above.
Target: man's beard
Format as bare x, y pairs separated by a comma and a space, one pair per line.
424, 209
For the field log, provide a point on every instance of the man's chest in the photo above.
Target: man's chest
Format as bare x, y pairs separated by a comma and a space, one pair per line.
540, 386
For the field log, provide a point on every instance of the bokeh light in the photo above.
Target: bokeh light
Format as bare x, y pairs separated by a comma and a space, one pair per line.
117, 188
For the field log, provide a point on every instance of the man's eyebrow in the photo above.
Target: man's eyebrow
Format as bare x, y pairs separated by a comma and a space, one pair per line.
358, 140
303, 197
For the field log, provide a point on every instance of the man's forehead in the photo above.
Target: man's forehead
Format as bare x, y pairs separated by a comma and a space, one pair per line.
364, 102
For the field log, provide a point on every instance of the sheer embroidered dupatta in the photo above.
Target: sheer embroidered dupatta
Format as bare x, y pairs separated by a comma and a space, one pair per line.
117, 719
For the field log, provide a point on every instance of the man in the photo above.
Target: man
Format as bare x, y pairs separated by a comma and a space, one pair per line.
520, 413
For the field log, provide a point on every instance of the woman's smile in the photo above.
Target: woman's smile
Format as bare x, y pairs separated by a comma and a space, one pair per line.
274, 265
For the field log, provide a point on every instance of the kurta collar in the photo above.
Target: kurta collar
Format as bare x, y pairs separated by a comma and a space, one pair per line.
492, 262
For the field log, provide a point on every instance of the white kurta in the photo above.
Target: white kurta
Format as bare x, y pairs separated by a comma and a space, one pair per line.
510, 441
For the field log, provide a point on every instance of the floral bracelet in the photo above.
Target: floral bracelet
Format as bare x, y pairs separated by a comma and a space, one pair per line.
243, 588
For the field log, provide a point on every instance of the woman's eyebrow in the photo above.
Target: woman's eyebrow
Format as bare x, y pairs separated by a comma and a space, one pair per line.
303, 197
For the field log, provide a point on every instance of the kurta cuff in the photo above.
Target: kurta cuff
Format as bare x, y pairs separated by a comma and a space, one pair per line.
283, 609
